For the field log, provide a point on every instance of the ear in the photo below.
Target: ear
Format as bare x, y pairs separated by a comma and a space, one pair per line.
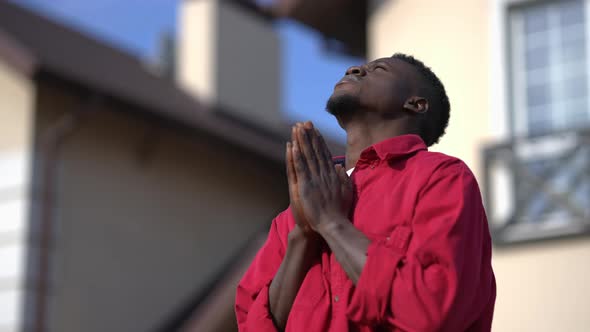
415, 104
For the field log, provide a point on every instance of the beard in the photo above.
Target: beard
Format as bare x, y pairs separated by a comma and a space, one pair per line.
343, 105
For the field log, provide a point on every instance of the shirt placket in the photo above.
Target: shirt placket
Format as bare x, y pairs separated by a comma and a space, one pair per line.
337, 283
338, 276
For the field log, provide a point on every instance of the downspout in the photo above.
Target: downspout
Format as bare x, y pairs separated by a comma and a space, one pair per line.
52, 140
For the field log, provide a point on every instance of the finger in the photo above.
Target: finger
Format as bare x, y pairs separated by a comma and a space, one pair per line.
306, 147
323, 162
289, 163
326, 156
343, 176
295, 140
292, 179
294, 133
299, 164
339, 170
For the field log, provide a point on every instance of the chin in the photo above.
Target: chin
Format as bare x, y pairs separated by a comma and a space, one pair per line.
342, 104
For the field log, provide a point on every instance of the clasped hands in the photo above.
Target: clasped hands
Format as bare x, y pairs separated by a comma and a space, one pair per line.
320, 192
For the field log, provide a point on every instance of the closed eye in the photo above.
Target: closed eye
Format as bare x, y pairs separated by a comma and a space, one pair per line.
379, 66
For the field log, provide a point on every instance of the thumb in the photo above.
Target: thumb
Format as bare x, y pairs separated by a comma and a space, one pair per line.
344, 179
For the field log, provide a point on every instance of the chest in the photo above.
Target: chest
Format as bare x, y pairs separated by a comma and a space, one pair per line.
384, 199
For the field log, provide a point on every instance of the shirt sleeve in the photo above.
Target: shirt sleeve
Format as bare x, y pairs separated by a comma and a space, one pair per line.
443, 281
252, 307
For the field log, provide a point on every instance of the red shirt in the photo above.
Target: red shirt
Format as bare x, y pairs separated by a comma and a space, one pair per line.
428, 267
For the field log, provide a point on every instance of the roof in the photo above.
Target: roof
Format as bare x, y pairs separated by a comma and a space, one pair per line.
36, 45
341, 20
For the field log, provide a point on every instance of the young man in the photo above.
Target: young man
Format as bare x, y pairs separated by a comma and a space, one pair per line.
401, 245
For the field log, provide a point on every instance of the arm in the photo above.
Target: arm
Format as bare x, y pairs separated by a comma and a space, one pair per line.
252, 307
284, 287
267, 290
272, 305
348, 244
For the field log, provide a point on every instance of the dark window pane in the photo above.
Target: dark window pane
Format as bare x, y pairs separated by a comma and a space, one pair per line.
537, 58
573, 34
576, 113
538, 95
537, 40
539, 119
538, 76
535, 19
571, 12
573, 51
575, 88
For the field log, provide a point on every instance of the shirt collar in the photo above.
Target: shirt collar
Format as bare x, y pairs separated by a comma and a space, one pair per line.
394, 147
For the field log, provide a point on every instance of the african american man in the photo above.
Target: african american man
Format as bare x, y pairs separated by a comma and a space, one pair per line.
398, 242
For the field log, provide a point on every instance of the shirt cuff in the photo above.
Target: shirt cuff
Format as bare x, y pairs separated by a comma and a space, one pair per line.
370, 301
259, 317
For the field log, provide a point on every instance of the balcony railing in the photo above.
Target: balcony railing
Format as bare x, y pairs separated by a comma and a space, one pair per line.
538, 187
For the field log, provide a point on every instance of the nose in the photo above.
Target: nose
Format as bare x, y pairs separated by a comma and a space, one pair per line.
356, 70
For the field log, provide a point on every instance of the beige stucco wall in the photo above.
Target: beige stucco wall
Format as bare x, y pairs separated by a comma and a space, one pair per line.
448, 36
541, 287
147, 217
17, 95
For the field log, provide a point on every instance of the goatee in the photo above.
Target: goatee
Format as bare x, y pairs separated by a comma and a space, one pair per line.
343, 105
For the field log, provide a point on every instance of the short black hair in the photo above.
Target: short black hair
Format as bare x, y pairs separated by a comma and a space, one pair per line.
432, 124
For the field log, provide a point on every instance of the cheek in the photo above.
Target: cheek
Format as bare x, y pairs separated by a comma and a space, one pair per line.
380, 99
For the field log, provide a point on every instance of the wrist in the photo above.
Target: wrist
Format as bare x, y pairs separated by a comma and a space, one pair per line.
299, 237
329, 226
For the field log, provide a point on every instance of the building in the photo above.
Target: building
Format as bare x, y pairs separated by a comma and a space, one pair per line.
517, 75
127, 196
143, 159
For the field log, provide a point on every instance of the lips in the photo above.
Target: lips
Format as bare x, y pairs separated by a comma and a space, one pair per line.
349, 79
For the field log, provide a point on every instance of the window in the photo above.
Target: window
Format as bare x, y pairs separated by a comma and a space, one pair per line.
549, 66
537, 183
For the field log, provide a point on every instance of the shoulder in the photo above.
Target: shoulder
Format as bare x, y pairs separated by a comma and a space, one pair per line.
437, 163
442, 168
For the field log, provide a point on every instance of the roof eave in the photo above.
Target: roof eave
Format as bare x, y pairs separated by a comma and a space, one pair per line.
341, 20
17, 55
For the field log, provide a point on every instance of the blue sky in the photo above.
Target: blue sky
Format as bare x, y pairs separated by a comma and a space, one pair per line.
135, 25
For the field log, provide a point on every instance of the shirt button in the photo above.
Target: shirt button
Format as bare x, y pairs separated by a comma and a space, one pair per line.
387, 238
336, 298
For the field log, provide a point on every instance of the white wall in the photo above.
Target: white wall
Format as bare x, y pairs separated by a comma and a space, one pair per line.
16, 109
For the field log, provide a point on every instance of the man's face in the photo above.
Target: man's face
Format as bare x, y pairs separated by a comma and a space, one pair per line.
381, 86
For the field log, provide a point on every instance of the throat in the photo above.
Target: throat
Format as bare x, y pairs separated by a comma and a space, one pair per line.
372, 129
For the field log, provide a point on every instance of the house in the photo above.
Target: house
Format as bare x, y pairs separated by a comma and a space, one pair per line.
516, 72
127, 195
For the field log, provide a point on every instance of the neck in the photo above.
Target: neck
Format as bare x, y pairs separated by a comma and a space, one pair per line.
371, 129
